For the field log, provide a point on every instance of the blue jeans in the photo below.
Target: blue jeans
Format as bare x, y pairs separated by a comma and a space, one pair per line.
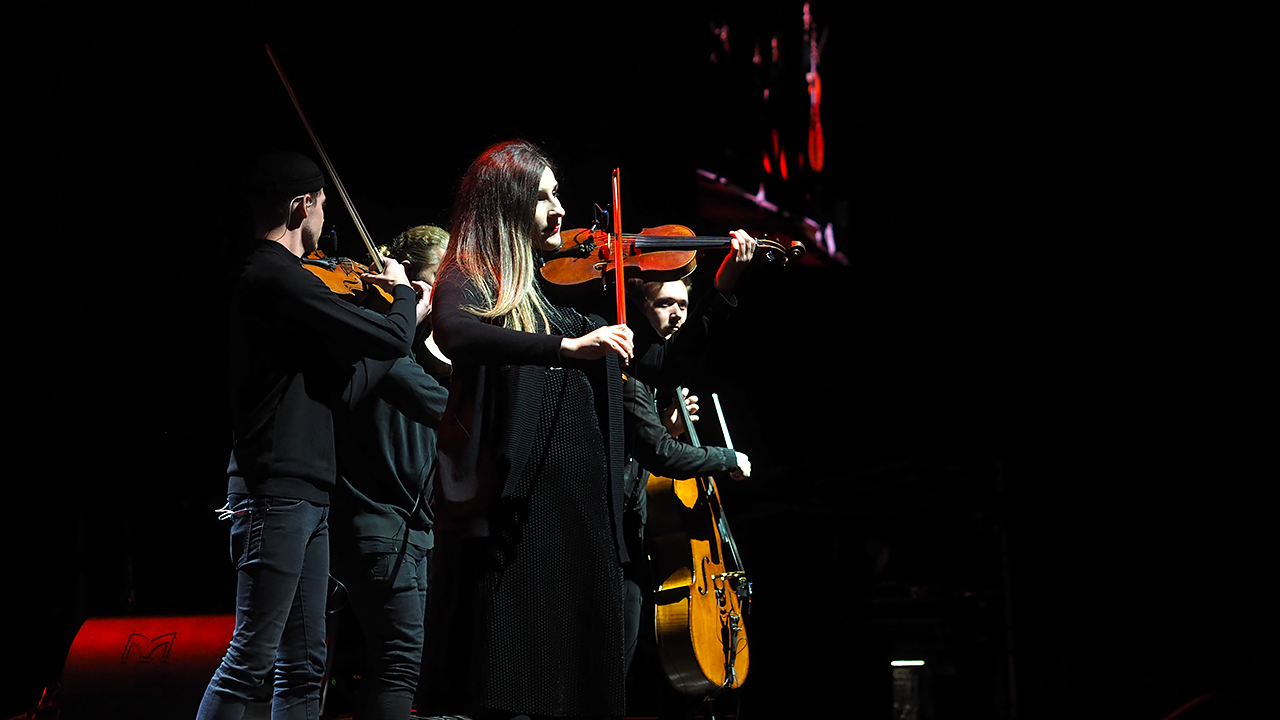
281, 550
388, 593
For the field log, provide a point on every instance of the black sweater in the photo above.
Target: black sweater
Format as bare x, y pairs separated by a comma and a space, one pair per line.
297, 351
653, 447
387, 452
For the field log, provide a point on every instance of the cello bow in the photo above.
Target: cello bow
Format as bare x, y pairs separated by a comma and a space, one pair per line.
743, 588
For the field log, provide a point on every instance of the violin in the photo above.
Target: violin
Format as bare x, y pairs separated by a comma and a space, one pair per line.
661, 254
586, 257
342, 276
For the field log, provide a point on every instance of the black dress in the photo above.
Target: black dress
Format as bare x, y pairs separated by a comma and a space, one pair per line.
526, 608
555, 569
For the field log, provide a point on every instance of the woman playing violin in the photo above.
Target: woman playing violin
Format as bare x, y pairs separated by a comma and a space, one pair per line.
527, 575
527, 567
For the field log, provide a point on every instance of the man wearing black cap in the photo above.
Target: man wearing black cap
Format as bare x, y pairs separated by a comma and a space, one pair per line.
297, 352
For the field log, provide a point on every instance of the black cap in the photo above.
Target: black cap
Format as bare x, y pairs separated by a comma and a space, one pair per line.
283, 175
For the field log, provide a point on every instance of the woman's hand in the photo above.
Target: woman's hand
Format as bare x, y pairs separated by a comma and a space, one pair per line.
599, 343
744, 467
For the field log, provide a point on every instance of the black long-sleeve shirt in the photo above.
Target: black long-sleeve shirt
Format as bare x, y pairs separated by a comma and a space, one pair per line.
295, 354
387, 453
653, 447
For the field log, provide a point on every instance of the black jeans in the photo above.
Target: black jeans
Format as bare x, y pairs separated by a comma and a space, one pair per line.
281, 550
388, 592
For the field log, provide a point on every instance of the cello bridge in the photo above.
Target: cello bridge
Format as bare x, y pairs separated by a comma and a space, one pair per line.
741, 586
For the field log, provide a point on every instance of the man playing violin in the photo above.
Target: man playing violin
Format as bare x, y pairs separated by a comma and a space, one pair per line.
296, 355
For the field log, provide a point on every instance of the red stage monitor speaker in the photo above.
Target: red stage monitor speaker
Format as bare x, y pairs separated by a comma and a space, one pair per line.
142, 667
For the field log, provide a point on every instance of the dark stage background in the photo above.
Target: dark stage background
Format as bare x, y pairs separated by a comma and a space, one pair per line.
1048, 335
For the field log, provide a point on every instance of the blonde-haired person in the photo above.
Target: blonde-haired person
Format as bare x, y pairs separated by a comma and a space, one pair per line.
421, 249
381, 520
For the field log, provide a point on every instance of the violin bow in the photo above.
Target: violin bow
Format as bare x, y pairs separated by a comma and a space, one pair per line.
615, 248
376, 259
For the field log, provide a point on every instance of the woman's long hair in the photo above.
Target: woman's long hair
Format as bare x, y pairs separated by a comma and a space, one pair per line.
492, 231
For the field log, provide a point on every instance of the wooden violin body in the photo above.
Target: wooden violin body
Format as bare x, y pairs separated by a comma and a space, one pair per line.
585, 256
702, 592
342, 276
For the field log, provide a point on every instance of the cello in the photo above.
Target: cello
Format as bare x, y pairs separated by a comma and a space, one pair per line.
702, 597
